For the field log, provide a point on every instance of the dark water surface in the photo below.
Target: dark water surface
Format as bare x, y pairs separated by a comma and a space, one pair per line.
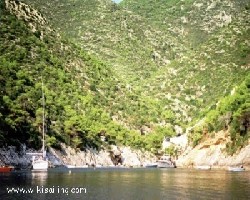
125, 184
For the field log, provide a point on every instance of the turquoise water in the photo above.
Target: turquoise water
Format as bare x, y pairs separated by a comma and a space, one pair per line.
125, 184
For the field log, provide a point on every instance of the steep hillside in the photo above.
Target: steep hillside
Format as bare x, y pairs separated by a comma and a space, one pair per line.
30, 52
171, 55
192, 21
78, 88
134, 47
201, 77
216, 36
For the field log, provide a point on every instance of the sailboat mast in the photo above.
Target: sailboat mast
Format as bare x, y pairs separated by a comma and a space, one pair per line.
43, 102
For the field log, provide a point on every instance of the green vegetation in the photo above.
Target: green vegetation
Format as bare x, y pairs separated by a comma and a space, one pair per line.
132, 70
81, 92
170, 56
233, 112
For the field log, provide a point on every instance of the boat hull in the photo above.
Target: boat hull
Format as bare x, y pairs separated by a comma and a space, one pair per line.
6, 169
151, 165
40, 165
165, 162
236, 169
166, 165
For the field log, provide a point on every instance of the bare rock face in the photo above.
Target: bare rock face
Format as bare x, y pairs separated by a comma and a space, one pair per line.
108, 157
25, 12
34, 19
10, 156
136, 158
91, 157
130, 158
68, 156
213, 153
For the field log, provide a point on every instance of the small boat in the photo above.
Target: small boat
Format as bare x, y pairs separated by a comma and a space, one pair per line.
236, 169
39, 161
83, 166
151, 165
70, 166
74, 166
165, 162
6, 168
203, 167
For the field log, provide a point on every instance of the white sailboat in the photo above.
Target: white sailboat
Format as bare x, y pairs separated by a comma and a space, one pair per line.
39, 161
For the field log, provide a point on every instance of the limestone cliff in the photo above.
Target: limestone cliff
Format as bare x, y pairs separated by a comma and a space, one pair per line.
212, 152
69, 156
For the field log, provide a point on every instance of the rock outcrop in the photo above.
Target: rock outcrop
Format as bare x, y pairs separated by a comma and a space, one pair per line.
26, 13
14, 157
212, 152
113, 156
68, 156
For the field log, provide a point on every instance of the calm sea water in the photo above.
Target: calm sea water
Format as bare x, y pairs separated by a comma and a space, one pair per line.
124, 184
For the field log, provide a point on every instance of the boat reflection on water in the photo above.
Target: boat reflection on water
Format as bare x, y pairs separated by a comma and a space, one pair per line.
203, 167
39, 177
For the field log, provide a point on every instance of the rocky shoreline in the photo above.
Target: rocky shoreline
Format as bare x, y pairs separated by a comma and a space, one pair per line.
211, 152
124, 156
215, 157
